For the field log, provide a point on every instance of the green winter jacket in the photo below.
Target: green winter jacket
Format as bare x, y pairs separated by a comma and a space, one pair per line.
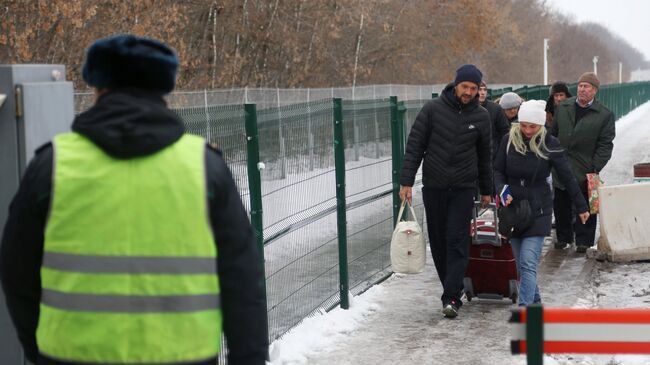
588, 143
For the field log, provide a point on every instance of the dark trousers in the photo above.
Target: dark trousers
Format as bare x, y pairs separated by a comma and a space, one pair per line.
567, 221
449, 214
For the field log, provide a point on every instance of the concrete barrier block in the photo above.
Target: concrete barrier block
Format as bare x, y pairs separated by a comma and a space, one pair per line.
625, 222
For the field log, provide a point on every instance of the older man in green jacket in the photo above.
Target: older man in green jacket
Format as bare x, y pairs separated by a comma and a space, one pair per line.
586, 131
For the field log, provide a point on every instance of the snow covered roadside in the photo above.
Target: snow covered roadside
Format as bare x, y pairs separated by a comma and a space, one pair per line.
325, 329
631, 146
399, 321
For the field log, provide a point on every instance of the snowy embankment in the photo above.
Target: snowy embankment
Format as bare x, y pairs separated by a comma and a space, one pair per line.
631, 146
399, 321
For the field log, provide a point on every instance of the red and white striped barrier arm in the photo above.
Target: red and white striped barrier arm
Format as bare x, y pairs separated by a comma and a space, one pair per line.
593, 331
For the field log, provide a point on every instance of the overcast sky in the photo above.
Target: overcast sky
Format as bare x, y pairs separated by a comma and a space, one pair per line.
629, 19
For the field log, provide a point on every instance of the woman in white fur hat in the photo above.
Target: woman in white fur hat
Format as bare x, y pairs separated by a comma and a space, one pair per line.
523, 162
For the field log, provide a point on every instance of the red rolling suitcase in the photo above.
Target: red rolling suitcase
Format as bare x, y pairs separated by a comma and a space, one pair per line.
492, 270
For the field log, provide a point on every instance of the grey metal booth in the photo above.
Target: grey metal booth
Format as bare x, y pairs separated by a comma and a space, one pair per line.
36, 103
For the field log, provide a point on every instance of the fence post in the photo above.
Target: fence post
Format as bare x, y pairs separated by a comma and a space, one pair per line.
208, 136
397, 147
283, 152
255, 186
374, 99
355, 127
339, 163
535, 334
401, 123
310, 135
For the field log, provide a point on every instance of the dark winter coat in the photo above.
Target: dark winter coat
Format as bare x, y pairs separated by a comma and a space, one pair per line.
127, 124
517, 170
499, 122
550, 106
588, 143
454, 141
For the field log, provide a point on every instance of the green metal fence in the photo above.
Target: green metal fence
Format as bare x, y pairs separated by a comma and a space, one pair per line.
327, 182
299, 200
619, 98
299, 188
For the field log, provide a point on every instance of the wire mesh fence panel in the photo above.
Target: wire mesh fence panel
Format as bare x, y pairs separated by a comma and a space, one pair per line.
223, 127
299, 199
266, 98
296, 148
367, 135
301, 272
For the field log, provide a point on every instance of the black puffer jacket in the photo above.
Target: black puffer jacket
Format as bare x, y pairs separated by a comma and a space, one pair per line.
127, 124
518, 171
454, 141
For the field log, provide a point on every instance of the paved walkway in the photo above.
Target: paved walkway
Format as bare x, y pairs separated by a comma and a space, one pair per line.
409, 327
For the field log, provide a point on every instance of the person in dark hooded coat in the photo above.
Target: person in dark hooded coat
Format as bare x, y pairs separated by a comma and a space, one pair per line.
510, 103
499, 122
558, 92
131, 126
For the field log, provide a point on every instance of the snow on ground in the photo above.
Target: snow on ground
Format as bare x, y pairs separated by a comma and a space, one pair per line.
399, 321
631, 146
325, 329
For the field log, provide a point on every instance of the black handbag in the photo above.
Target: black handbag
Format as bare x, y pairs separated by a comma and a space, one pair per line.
517, 217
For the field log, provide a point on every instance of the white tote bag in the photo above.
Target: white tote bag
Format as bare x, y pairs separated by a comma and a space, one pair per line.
407, 248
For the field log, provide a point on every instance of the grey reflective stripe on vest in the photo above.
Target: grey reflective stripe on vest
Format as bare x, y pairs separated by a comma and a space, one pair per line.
129, 303
129, 265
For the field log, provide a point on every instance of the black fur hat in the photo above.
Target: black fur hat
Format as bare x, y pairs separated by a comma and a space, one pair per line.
560, 87
130, 61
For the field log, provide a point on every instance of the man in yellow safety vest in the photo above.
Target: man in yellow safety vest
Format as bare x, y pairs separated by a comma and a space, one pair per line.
127, 242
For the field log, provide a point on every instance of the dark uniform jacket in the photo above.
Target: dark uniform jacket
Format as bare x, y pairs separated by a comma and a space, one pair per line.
127, 124
499, 122
518, 171
588, 142
454, 141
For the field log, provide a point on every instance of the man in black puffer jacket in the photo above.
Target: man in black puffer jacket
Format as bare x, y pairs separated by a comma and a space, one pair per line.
452, 135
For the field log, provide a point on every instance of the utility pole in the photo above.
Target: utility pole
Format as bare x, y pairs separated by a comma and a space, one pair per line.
595, 65
620, 72
545, 61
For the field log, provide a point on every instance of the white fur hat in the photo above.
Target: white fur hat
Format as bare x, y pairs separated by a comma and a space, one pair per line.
532, 111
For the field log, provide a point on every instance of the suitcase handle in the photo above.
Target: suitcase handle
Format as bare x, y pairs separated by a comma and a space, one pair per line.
493, 208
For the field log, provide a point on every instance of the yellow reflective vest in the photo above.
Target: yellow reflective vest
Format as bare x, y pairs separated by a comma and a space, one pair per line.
129, 271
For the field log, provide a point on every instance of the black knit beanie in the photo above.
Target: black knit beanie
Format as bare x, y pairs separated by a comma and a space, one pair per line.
468, 73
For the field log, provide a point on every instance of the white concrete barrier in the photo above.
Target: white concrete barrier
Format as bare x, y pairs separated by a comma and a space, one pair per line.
625, 222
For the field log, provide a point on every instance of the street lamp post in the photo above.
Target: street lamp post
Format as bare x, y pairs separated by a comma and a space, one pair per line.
620, 72
545, 61
595, 65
